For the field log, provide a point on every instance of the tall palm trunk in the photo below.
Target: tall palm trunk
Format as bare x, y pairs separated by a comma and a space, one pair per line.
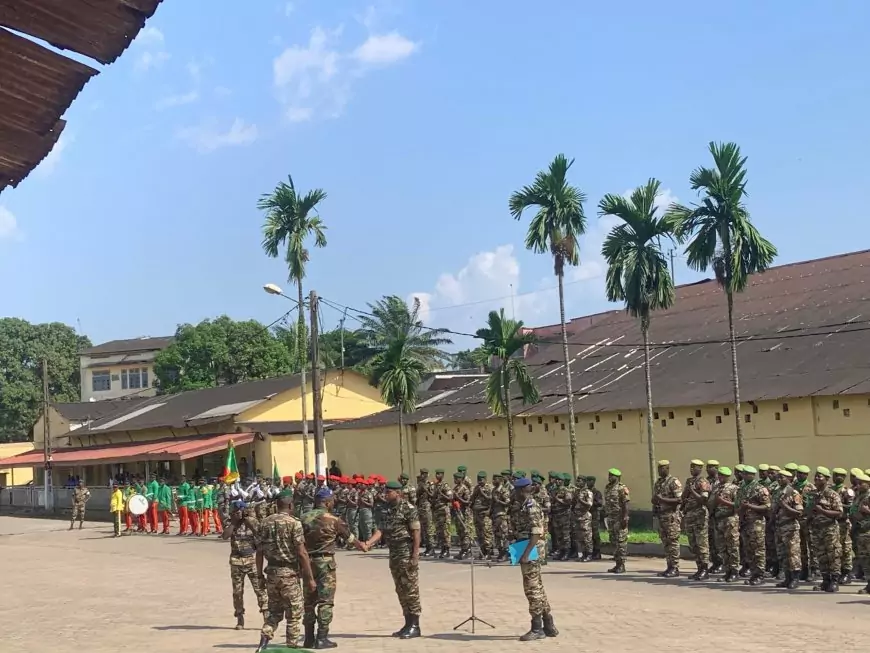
402, 440
505, 386
572, 433
650, 439
735, 382
303, 359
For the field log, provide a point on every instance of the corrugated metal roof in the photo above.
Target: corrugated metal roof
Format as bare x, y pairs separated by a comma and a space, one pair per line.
132, 345
784, 319
93, 410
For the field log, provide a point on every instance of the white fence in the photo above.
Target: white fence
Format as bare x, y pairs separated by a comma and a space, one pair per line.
31, 498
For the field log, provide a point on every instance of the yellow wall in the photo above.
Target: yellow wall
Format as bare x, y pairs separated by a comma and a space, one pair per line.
812, 432
20, 475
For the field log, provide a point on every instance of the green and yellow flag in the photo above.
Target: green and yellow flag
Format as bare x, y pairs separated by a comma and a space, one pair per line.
231, 468
276, 476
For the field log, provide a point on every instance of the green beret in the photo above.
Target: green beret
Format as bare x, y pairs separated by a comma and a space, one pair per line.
775, 468
791, 467
566, 477
614, 472
749, 469
288, 492
804, 469
863, 477
697, 462
393, 485
458, 475
423, 470
518, 473
763, 467
824, 471
740, 467
725, 470
534, 473
839, 470
403, 476
481, 474
439, 471
505, 472
786, 473
462, 468
591, 479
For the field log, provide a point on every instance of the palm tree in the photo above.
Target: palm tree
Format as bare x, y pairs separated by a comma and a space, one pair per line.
503, 339
721, 236
291, 218
637, 272
556, 228
404, 351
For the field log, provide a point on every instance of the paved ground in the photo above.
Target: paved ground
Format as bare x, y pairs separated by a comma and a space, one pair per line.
85, 591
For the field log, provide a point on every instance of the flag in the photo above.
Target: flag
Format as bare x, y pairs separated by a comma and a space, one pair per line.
231, 468
276, 477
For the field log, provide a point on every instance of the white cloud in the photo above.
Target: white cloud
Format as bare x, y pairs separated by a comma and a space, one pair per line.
149, 60
194, 69
152, 54
299, 114
222, 91
176, 100
150, 36
289, 8
8, 224
208, 137
50, 162
385, 49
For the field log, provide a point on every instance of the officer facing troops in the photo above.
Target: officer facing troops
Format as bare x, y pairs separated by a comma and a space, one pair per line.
241, 532
80, 496
616, 503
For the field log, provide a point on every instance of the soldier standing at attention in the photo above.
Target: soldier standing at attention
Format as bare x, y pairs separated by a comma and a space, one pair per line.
309, 492
409, 492
787, 510
529, 527
754, 506
243, 560
695, 496
561, 500
80, 497
281, 542
770, 480
322, 529
597, 513
461, 506
666, 500
340, 499
297, 493
825, 530
500, 527
481, 511
463, 471
713, 480
442, 499
616, 503
582, 516
352, 499
807, 489
365, 515
860, 517
402, 529
727, 537
543, 498
424, 510
847, 496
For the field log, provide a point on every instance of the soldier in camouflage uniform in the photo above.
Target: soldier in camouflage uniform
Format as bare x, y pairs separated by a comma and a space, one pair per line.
409, 491
617, 500
352, 499
787, 507
461, 508
666, 501
582, 517
695, 496
322, 531
463, 471
402, 530
754, 506
561, 500
366, 515
80, 496
297, 494
424, 509
859, 515
481, 510
768, 478
543, 499
442, 499
713, 480
807, 489
501, 498
281, 543
825, 530
241, 533
847, 496
528, 522
727, 522
597, 513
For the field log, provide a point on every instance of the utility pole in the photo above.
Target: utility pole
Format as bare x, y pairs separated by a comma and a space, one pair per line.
341, 330
46, 444
673, 276
317, 397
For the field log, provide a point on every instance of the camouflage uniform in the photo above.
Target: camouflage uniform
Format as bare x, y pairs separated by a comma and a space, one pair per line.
582, 514
715, 557
808, 558
380, 507
80, 496
597, 512
322, 529
788, 529
543, 498
424, 510
243, 564
727, 528
756, 493
847, 496
462, 497
695, 520
669, 518
825, 533
528, 520
501, 497
409, 493
298, 492
481, 509
353, 510
561, 518
442, 497
616, 495
278, 537
341, 502
861, 525
400, 522
365, 514
308, 493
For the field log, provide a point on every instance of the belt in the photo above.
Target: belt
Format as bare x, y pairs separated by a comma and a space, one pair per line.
321, 555
281, 564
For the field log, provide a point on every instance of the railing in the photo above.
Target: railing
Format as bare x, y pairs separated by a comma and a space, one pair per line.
31, 498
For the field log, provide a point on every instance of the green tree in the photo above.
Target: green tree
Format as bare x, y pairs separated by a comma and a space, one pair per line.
467, 359
356, 350
23, 346
504, 340
638, 273
404, 350
555, 229
721, 236
220, 352
291, 220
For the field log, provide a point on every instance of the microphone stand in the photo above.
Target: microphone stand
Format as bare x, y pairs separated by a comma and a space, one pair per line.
474, 618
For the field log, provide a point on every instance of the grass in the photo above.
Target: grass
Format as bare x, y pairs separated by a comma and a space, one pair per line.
642, 536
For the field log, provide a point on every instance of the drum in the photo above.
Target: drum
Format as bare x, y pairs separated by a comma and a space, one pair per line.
137, 505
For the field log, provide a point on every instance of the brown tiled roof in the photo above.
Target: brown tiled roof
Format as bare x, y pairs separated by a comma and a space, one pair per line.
93, 410
38, 85
130, 346
804, 330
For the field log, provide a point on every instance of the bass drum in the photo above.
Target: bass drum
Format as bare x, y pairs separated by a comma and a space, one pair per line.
137, 504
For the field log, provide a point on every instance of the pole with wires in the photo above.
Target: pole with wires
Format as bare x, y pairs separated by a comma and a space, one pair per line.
317, 396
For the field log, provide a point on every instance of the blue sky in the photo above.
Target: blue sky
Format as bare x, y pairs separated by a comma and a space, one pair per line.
420, 119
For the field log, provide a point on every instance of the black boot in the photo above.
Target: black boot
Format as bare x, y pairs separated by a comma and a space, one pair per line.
264, 643
413, 629
429, 550
702, 574
785, 583
744, 571
323, 640
805, 573
823, 586
666, 573
774, 570
445, 552
240, 622
550, 629
596, 554
730, 576
309, 640
717, 569
404, 628
618, 568
833, 585
865, 590
755, 580
793, 580
536, 632
845, 578
673, 572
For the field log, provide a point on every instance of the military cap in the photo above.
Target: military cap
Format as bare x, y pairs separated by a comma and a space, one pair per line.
786, 473
462, 468
763, 467
497, 474
565, 476
423, 470
839, 470
552, 474
824, 471
323, 493
522, 482
592, 479
288, 492
458, 474
394, 485
740, 467
791, 467
614, 472
403, 475
867, 471
712, 463
534, 472
518, 473
749, 469
725, 470
855, 471
505, 472
775, 468
439, 471
662, 463
537, 477
863, 477
698, 462
804, 469
481, 474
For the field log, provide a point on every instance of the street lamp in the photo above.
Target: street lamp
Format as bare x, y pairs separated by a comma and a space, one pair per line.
272, 289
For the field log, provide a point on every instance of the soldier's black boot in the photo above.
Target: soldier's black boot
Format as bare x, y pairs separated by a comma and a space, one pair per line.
323, 640
744, 571
673, 572
309, 640
240, 622
618, 568
865, 590
845, 578
703, 573
823, 586
404, 628
536, 632
730, 575
833, 585
793, 580
774, 570
264, 643
550, 629
666, 573
755, 579
805, 573
717, 569
445, 552
596, 554
785, 583
413, 628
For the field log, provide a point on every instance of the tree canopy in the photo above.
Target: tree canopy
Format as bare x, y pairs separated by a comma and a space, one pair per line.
22, 347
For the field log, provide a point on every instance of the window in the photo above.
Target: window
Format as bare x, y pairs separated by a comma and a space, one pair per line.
613, 425
747, 418
785, 408
134, 379
591, 426
546, 427
777, 416
690, 421
847, 412
697, 413
540, 420
664, 422
718, 419
755, 408
655, 415
562, 426
670, 414
836, 404
530, 428
101, 381
726, 411
619, 417
598, 418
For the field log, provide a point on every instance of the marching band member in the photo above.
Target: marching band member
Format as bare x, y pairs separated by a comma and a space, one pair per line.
183, 517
